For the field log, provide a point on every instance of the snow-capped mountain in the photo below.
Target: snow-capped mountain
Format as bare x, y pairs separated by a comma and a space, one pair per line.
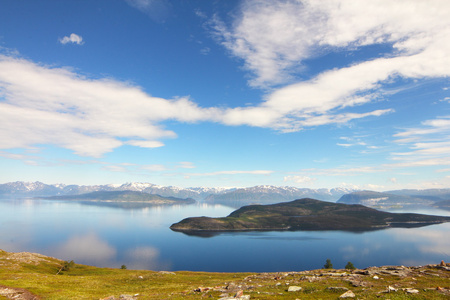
31, 189
235, 197
267, 194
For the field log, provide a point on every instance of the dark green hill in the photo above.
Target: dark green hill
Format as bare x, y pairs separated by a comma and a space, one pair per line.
131, 199
305, 214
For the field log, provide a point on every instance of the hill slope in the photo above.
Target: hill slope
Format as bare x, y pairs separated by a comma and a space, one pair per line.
123, 198
34, 276
305, 214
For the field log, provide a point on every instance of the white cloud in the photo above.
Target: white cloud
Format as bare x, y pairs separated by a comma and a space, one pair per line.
145, 144
205, 51
157, 10
274, 38
18, 156
299, 179
186, 165
343, 171
115, 168
48, 105
137, 169
428, 144
44, 105
345, 145
371, 187
154, 168
255, 172
73, 39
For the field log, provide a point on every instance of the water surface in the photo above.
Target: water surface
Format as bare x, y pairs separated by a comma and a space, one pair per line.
141, 239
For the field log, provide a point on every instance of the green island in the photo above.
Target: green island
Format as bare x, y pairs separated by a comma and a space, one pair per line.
34, 276
305, 214
122, 199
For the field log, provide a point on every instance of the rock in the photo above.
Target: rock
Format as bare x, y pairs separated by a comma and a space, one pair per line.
337, 288
391, 289
239, 296
201, 289
294, 288
348, 294
411, 291
376, 277
127, 297
167, 273
442, 263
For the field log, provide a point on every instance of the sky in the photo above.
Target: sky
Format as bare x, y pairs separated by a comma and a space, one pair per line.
311, 94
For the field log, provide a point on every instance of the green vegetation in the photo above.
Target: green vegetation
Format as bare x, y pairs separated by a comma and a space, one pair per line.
37, 274
350, 266
328, 264
305, 214
66, 266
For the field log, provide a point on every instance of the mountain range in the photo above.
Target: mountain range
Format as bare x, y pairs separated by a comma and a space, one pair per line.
400, 198
235, 197
238, 197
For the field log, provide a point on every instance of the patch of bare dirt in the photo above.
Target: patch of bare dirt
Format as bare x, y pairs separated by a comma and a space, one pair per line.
17, 293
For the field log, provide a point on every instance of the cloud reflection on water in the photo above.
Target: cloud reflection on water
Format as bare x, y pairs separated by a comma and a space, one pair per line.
145, 258
86, 249
428, 240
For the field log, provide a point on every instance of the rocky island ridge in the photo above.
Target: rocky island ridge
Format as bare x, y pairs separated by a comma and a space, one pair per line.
305, 214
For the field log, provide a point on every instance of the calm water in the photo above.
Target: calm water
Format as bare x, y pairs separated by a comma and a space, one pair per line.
141, 239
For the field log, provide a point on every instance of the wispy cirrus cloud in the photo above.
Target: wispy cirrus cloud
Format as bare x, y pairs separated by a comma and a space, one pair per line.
136, 169
427, 144
275, 38
299, 179
157, 10
234, 172
343, 171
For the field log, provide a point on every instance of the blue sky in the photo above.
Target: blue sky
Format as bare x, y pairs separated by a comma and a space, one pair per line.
315, 94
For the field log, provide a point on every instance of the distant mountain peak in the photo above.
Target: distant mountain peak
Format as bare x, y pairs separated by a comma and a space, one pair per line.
222, 195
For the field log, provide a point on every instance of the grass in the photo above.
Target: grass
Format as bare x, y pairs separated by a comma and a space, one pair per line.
87, 282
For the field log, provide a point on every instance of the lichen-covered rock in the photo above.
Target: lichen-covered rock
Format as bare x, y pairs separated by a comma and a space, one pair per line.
348, 294
294, 288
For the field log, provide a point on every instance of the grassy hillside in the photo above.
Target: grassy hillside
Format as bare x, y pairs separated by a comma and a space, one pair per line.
34, 276
306, 214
